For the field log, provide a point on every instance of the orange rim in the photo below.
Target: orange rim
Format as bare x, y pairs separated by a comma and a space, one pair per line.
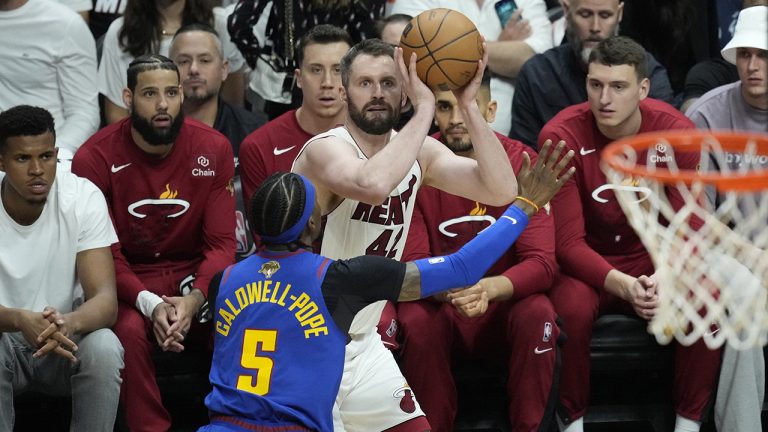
690, 141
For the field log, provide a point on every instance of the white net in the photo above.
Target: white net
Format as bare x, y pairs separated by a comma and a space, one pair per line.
708, 242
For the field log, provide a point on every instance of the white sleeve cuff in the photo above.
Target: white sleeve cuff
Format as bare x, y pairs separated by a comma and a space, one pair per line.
146, 302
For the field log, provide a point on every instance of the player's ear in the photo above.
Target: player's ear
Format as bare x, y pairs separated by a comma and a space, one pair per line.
297, 77
224, 70
404, 102
490, 111
127, 97
645, 87
343, 93
620, 11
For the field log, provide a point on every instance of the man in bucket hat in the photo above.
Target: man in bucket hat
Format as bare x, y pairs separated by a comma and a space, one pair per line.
740, 106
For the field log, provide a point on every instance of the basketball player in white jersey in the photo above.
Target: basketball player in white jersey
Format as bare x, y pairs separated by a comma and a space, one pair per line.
367, 176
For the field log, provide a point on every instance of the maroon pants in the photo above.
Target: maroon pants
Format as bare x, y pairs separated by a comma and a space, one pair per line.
523, 335
139, 394
578, 305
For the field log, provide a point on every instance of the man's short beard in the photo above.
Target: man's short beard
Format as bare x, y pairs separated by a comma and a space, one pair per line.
376, 126
577, 44
456, 145
154, 136
197, 99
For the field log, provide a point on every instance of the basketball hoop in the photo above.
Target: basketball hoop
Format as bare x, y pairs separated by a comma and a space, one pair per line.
704, 228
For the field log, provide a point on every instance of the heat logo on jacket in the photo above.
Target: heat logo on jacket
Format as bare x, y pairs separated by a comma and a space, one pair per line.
167, 198
477, 214
629, 184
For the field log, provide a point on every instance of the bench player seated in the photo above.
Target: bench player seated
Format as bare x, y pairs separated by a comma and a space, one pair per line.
282, 316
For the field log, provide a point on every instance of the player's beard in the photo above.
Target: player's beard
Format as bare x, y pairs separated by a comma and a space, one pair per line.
376, 125
457, 144
157, 136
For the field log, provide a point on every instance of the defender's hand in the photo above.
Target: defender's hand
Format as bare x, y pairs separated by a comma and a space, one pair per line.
540, 183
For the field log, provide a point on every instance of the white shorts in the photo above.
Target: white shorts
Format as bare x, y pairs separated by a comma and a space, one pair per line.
373, 395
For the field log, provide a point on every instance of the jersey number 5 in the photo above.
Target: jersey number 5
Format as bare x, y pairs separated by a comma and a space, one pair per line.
251, 360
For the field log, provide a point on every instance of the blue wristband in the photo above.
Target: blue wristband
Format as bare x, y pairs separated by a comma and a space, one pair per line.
470, 263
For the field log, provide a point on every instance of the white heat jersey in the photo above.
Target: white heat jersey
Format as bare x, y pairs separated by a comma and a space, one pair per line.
354, 228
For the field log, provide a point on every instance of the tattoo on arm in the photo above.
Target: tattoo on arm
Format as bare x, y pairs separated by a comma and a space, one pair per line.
411, 289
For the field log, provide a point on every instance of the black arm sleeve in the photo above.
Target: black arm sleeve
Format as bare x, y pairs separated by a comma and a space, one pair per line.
213, 290
350, 285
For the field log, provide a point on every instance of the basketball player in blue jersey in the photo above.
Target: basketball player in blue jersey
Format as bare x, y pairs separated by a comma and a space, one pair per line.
282, 315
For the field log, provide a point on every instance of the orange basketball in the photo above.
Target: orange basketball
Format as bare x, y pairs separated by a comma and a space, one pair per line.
447, 46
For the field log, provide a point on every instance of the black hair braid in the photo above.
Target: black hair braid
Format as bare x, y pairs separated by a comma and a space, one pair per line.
277, 205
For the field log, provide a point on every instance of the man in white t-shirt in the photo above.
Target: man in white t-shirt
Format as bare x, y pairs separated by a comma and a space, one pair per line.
57, 279
48, 59
527, 32
83, 7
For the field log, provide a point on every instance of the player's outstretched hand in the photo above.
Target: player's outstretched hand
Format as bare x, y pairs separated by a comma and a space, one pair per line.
466, 95
540, 183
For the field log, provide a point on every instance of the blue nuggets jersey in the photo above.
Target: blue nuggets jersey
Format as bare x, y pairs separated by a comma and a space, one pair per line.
278, 355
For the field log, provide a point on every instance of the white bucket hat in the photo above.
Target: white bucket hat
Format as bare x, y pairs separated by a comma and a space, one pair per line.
751, 32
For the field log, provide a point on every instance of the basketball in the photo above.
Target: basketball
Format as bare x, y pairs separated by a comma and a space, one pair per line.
447, 46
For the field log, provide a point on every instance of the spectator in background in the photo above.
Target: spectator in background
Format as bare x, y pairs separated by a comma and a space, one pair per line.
679, 33
714, 72
390, 29
552, 81
513, 324
147, 27
102, 15
274, 146
48, 59
168, 183
196, 50
265, 31
704, 76
740, 106
57, 279
604, 266
527, 33
83, 7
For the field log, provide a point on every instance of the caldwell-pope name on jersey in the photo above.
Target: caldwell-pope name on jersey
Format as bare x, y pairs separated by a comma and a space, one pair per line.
304, 309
